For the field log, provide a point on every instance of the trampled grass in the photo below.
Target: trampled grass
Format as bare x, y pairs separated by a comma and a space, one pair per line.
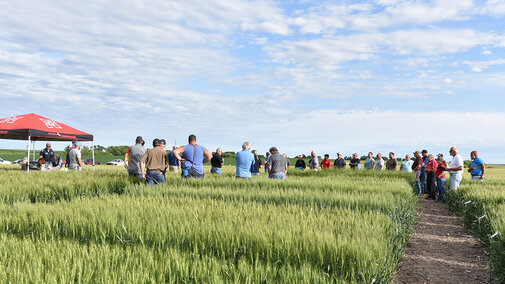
329, 226
473, 200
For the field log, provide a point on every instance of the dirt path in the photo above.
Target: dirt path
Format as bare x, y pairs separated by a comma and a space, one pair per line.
442, 251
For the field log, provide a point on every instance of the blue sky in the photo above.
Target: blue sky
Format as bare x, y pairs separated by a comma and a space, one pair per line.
349, 76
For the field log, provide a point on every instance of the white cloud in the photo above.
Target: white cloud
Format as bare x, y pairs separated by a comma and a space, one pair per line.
448, 80
487, 52
479, 66
494, 8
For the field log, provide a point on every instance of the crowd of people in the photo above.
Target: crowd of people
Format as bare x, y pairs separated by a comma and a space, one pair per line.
151, 165
430, 172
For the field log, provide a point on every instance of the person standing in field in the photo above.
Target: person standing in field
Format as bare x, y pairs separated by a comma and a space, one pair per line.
135, 153
423, 171
339, 162
193, 158
300, 163
257, 163
75, 158
173, 163
369, 162
267, 158
153, 164
380, 163
455, 168
288, 162
44, 155
277, 168
431, 170
391, 164
406, 165
216, 163
326, 163
314, 161
355, 162
416, 167
67, 159
477, 167
441, 177
245, 162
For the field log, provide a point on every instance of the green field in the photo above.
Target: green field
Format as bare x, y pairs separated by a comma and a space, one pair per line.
327, 226
333, 226
474, 200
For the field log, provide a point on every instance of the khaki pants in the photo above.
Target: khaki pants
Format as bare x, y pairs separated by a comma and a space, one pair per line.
173, 169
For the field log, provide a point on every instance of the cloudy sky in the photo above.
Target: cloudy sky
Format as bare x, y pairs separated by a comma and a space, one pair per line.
349, 76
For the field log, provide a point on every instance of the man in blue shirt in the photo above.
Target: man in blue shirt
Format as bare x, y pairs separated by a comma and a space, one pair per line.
45, 154
477, 167
173, 163
245, 162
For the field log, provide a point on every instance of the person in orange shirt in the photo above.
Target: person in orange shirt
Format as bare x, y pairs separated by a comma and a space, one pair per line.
326, 163
431, 169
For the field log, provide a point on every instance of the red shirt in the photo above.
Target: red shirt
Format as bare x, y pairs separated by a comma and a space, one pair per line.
325, 164
440, 173
431, 166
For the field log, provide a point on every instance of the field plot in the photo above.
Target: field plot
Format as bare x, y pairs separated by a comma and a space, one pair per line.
332, 226
483, 208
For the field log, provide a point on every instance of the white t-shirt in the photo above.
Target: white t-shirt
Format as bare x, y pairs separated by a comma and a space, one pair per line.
457, 161
380, 164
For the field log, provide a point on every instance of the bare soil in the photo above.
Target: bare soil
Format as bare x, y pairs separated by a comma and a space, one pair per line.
442, 251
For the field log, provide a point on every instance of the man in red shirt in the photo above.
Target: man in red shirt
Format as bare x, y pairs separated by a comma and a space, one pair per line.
326, 163
431, 169
441, 177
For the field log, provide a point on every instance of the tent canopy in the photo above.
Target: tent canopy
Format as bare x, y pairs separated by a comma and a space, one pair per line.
37, 127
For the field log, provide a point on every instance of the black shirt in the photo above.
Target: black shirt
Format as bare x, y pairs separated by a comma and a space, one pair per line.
300, 164
216, 160
354, 161
339, 163
257, 164
45, 154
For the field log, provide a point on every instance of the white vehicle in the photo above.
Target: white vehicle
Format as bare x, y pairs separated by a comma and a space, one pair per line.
4, 162
116, 162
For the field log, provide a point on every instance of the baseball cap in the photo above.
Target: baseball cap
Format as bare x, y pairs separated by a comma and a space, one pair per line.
416, 152
48, 144
355, 154
78, 143
139, 139
163, 142
338, 153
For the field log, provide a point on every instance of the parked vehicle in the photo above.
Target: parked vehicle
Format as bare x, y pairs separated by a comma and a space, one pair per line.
116, 162
18, 161
2, 161
90, 162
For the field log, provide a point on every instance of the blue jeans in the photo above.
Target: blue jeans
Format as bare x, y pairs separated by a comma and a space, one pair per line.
153, 178
418, 182
454, 180
215, 170
423, 178
277, 176
137, 175
440, 188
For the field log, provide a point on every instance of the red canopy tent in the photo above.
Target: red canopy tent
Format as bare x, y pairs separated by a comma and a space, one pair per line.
33, 127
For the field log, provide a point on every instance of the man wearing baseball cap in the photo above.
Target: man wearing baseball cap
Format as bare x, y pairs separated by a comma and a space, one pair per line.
136, 152
75, 158
339, 162
46, 153
416, 167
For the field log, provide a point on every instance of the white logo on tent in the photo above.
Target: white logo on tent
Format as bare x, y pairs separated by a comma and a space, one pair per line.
50, 123
11, 119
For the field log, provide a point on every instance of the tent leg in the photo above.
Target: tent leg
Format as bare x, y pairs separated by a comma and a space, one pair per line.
28, 156
93, 152
33, 149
